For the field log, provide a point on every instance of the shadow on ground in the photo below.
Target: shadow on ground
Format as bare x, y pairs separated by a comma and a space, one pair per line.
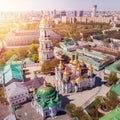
98, 81
65, 100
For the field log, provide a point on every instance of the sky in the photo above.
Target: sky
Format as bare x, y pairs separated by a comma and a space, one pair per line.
23, 5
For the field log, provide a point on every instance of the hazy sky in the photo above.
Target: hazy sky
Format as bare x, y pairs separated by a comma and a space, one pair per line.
22, 5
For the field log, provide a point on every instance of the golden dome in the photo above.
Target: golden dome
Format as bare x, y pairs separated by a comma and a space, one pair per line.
78, 68
66, 73
73, 81
90, 68
82, 62
75, 62
78, 79
71, 61
60, 66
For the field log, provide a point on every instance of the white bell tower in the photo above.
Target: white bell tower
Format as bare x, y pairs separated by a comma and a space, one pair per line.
45, 44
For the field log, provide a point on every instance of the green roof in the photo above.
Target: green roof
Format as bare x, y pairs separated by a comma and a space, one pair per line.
69, 42
42, 104
113, 115
46, 91
57, 99
116, 88
47, 96
113, 67
98, 35
52, 103
89, 60
13, 108
12, 71
67, 53
92, 53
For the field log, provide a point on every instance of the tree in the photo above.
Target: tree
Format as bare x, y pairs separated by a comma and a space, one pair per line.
49, 66
21, 52
76, 112
109, 101
34, 48
55, 42
70, 108
112, 78
85, 117
35, 57
80, 114
118, 67
106, 103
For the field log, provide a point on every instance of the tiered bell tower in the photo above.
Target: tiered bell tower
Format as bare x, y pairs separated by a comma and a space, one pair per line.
45, 44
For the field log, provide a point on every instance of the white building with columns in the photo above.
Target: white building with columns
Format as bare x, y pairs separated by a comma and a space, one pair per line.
46, 47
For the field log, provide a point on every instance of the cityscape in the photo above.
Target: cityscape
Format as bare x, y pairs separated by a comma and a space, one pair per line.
60, 60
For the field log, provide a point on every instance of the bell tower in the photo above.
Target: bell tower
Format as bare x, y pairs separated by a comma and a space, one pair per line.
45, 44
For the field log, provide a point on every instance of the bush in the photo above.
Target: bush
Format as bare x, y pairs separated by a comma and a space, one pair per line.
118, 67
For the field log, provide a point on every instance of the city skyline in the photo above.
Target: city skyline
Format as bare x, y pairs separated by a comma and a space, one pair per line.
86, 5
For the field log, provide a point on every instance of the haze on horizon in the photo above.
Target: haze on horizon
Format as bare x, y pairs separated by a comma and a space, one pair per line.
37, 5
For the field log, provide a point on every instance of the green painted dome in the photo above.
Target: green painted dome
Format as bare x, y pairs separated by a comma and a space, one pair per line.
46, 91
42, 104
57, 99
52, 103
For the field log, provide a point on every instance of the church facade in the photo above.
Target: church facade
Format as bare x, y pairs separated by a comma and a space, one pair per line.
74, 76
47, 101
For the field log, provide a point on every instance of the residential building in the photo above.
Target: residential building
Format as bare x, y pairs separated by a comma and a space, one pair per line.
17, 93
94, 10
23, 38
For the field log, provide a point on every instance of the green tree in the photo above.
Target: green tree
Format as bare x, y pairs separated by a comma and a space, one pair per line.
109, 101
21, 52
118, 67
49, 66
70, 108
80, 114
34, 48
76, 112
112, 78
35, 57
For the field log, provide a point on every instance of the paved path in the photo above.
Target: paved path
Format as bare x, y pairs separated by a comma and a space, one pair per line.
27, 112
81, 98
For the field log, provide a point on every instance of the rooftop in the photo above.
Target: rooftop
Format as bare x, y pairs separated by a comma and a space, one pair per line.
63, 51
116, 88
15, 88
46, 91
12, 71
113, 67
92, 53
69, 42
